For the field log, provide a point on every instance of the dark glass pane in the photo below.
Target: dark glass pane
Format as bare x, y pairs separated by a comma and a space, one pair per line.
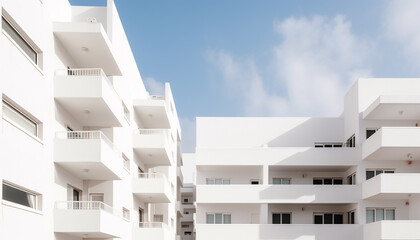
350, 180
318, 219
319, 146
338, 181
18, 196
338, 145
369, 133
317, 181
352, 218
255, 182
328, 218
285, 218
328, 181
338, 218
370, 174
328, 145
276, 218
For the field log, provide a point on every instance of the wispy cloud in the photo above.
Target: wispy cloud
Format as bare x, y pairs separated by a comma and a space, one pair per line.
154, 87
313, 65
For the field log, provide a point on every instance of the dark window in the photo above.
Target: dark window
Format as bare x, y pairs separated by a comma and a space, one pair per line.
18, 39
255, 182
285, 218
13, 194
328, 181
370, 174
338, 218
317, 181
328, 145
185, 200
328, 218
187, 233
351, 142
318, 219
351, 218
369, 132
338, 181
338, 145
276, 218
319, 146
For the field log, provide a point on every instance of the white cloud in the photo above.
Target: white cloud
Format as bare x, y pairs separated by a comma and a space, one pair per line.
313, 66
402, 26
154, 87
188, 135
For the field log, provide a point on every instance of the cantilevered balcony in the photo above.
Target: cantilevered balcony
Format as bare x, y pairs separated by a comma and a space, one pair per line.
89, 97
179, 209
88, 155
278, 193
280, 231
392, 229
391, 186
152, 188
153, 146
151, 230
188, 217
393, 143
88, 45
180, 176
89, 220
394, 107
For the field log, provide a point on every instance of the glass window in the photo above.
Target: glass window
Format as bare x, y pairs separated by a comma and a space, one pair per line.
379, 172
317, 181
218, 218
351, 217
370, 174
209, 181
390, 214
226, 181
338, 218
370, 216
370, 132
210, 219
285, 181
338, 181
276, 180
218, 181
255, 182
328, 218
276, 218
318, 219
20, 119
187, 233
389, 171
379, 215
285, 218
226, 218
18, 39
16, 195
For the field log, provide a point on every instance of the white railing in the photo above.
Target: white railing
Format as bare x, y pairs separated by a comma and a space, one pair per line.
157, 97
153, 131
87, 135
86, 205
152, 175
151, 225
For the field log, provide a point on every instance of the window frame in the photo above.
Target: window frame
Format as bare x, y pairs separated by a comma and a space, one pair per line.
378, 171
214, 217
322, 179
281, 217
282, 180
332, 219
37, 197
374, 209
221, 180
16, 109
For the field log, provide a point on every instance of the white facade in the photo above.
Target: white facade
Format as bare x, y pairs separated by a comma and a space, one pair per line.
85, 151
356, 176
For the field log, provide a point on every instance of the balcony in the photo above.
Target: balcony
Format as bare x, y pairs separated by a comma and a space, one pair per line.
393, 143
278, 194
151, 230
395, 229
152, 188
88, 45
279, 156
88, 96
88, 155
394, 107
89, 220
187, 217
180, 176
391, 186
277, 231
153, 146
179, 209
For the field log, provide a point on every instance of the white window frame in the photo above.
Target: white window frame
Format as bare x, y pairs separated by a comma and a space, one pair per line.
222, 181
282, 181
37, 198
223, 217
18, 110
381, 208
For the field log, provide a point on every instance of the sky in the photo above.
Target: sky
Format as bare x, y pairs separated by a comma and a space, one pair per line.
247, 58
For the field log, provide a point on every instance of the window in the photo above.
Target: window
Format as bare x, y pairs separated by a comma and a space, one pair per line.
327, 181
379, 214
351, 179
185, 226
255, 182
370, 173
187, 233
126, 162
141, 215
20, 196
217, 181
282, 218
20, 41
370, 132
328, 218
328, 145
126, 213
21, 119
281, 181
351, 141
185, 200
218, 218
351, 217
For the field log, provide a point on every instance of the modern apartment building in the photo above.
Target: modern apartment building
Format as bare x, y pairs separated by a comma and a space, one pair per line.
85, 151
356, 176
187, 226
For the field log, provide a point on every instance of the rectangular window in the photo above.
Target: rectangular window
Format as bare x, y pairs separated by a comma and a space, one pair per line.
351, 217
218, 181
209, 181
318, 219
328, 218
327, 181
210, 219
20, 196
20, 119
329, 145
379, 214
185, 200
285, 181
187, 233
185, 226
19, 40
255, 182
370, 173
281, 218
351, 179
218, 218
351, 141
126, 213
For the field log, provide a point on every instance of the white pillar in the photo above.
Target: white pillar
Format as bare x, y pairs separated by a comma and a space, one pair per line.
264, 213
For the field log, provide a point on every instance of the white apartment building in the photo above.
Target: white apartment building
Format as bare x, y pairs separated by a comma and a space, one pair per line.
356, 176
187, 226
85, 151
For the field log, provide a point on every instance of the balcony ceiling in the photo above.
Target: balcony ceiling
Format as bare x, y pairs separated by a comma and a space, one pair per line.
395, 153
394, 107
88, 45
152, 113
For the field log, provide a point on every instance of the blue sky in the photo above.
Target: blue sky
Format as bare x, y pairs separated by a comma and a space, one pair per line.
269, 57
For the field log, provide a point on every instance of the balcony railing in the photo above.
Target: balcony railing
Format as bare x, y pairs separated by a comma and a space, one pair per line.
152, 225
88, 135
86, 205
157, 97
